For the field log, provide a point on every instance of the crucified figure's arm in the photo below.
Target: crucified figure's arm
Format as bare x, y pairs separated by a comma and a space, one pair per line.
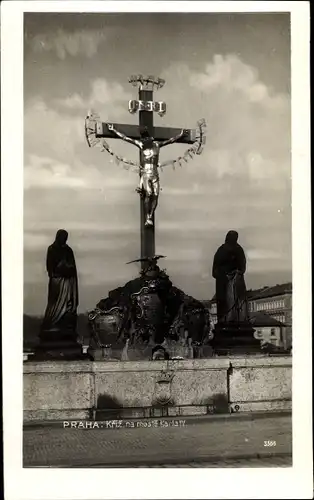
123, 136
173, 139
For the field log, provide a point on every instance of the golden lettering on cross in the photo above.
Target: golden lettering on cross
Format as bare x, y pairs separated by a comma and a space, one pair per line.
159, 107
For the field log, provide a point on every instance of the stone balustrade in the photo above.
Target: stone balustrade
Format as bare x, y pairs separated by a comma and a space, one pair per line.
63, 390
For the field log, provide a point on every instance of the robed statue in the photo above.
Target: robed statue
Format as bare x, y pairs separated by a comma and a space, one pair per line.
61, 311
229, 267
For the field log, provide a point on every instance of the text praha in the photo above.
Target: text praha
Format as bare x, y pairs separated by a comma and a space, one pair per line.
120, 424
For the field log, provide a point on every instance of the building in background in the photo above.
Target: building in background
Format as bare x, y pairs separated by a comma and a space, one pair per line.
274, 302
267, 329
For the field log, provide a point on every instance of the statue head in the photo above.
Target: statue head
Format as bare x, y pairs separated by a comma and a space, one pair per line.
232, 237
61, 237
145, 135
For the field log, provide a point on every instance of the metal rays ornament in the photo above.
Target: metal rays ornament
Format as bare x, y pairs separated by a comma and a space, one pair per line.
196, 148
93, 141
147, 83
90, 129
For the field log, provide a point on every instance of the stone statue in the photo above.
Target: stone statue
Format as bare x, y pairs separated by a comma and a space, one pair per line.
61, 311
149, 184
228, 270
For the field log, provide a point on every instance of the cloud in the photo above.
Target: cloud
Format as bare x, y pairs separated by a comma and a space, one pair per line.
48, 173
34, 241
47, 132
56, 129
56, 151
79, 226
245, 119
236, 104
65, 44
102, 92
262, 254
230, 74
94, 241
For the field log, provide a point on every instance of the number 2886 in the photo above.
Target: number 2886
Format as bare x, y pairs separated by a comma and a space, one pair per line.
270, 443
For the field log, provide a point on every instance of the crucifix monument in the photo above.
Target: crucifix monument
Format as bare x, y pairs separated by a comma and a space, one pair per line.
149, 140
148, 310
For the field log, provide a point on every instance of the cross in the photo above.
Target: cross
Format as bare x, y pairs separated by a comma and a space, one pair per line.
146, 106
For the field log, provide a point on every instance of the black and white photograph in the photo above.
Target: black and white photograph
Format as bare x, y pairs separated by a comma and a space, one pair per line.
159, 282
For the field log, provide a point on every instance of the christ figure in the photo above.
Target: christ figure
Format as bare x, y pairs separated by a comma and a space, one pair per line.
149, 184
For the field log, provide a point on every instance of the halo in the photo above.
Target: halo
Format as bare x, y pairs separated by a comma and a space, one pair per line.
196, 148
92, 141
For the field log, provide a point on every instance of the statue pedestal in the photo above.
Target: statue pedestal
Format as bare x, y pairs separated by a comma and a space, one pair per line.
237, 338
147, 312
59, 345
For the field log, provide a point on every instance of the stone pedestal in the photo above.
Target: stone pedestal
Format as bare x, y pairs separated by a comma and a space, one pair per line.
147, 312
237, 338
59, 345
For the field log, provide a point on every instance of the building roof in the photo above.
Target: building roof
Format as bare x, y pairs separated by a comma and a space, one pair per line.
266, 292
270, 291
262, 319
253, 294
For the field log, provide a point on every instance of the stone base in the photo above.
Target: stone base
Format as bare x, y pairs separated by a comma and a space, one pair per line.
59, 343
235, 339
63, 351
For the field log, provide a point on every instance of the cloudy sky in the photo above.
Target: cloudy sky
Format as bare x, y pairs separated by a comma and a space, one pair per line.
232, 70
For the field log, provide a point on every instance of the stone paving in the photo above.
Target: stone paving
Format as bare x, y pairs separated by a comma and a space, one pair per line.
260, 442
275, 461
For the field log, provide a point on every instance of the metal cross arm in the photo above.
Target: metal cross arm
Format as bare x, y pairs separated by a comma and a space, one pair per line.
133, 131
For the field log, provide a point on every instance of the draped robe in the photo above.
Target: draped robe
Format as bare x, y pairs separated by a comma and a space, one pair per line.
228, 269
62, 304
